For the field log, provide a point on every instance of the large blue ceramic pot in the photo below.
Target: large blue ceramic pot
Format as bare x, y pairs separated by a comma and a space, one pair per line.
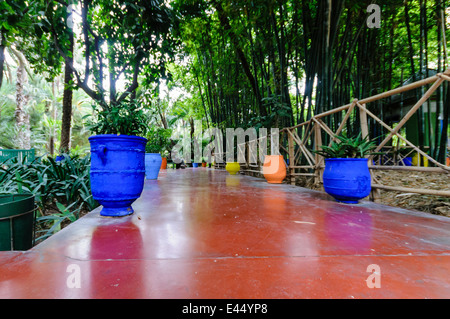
347, 179
117, 172
152, 165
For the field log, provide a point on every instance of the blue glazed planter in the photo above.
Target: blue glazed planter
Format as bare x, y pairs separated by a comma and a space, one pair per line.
194, 164
152, 165
407, 161
117, 172
347, 179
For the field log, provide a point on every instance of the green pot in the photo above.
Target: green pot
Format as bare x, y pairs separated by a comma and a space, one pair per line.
16, 221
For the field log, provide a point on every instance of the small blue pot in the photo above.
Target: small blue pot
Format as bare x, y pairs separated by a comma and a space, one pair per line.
407, 161
152, 165
117, 172
347, 179
194, 164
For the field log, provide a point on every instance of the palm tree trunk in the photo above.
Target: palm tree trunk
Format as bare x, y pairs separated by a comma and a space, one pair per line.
22, 118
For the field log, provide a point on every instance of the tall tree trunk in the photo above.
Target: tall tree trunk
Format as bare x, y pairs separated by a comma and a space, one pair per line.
443, 93
22, 117
66, 124
2, 56
413, 72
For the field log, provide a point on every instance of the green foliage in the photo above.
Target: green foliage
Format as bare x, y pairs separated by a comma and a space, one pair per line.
124, 118
158, 140
61, 189
13, 18
348, 147
120, 39
56, 219
279, 111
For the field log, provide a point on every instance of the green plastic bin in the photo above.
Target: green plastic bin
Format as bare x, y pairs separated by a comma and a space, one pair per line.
17, 222
28, 155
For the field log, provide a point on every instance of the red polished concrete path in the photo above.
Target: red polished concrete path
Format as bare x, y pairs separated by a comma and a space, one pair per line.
201, 233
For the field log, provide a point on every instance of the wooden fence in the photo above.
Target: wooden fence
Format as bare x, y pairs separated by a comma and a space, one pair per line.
295, 142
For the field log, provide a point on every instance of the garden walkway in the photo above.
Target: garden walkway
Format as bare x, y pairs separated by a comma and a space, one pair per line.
201, 233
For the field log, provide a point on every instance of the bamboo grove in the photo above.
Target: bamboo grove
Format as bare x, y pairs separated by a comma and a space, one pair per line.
276, 63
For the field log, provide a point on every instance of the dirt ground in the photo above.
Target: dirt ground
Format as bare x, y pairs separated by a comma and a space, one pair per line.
437, 205
426, 203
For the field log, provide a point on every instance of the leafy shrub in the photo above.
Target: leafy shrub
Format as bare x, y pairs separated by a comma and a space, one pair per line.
61, 189
158, 140
125, 118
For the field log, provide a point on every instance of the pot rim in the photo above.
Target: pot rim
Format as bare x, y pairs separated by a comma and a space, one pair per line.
116, 136
342, 159
20, 198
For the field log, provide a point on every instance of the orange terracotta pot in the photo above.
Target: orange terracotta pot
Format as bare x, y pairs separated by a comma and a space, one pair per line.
274, 169
164, 163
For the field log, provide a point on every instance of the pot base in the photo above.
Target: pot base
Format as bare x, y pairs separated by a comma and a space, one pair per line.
116, 211
347, 201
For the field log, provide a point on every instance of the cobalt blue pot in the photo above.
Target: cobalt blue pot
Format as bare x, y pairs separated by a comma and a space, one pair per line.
407, 161
152, 165
194, 164
347, 179
117, 172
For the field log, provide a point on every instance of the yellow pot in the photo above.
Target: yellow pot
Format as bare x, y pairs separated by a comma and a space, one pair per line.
233, 168
419, 160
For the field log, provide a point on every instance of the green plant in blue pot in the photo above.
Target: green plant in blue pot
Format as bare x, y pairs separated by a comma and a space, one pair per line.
346, 176
117, 156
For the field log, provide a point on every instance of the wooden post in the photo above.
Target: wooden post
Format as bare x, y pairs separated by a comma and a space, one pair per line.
318, 145
375, 192
291, 158
363, 121
410, 113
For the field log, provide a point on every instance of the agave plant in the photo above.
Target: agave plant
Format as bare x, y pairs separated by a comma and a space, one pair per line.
348, 147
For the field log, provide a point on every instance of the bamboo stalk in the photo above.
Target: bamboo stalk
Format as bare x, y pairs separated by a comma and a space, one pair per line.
363, 120
318, 158
344, 120
338, 109
251, 170
307, 132
291, 157
373, 98
401, 89
304, 174
445, 77
403, 139
305, 151
410, 113
284, 148
294, 127
413, 190
409, 168
324, 127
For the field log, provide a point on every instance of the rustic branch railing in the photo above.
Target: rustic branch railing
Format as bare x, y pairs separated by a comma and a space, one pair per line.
303, 162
